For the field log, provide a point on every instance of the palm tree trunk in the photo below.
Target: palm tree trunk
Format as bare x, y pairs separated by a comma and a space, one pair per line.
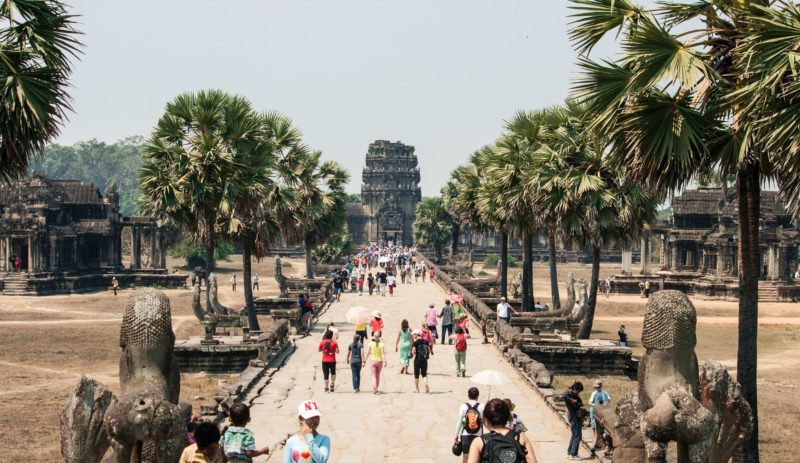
504, 266
588, 319
211, 246
309, 259
252, 319
748, 191
456, 236
527, 272
556, 297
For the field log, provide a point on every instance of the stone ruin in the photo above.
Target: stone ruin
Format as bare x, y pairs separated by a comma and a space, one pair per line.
215, 315
147, 421
700, 407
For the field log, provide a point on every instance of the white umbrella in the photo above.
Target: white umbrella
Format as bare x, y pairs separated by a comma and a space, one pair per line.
490, 378
383, 260
358, 315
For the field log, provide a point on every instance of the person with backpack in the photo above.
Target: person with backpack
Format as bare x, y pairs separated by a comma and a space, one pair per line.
355, 358
469, 424
500, 444
329, 349
420, 350
575, 414
460, 339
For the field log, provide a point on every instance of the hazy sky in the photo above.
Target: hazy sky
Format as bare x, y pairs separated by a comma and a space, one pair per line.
439, 75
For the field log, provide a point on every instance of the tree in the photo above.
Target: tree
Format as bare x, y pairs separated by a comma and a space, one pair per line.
692, 92
433, 226
37, 43
449, 197
192, 161
340, 244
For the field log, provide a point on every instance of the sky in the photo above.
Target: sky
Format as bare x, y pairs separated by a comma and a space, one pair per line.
441, 75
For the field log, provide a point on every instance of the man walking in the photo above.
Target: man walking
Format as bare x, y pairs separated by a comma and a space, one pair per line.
233, 282
338, 284
255, 282
420, 351
469, 424
575, 412
446, 314
382, 279
114, 284
504, 310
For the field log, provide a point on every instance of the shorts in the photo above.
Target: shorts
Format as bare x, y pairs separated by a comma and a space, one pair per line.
466, 441
337, 290
328, 368
420, 367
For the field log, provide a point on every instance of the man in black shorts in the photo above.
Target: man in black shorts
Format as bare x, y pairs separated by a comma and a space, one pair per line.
420, 351
470, 422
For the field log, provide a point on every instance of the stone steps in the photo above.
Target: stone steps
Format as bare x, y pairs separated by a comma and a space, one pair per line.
15, 284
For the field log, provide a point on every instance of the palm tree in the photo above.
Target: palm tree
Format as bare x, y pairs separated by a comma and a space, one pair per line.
37, 43
433, 226
676, 105
190, 160
320, 197
449, 197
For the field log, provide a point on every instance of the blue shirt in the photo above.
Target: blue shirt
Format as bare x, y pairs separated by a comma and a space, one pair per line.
236, 441
314, 449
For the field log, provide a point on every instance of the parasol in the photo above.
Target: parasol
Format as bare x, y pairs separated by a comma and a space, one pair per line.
490, 378
358, 315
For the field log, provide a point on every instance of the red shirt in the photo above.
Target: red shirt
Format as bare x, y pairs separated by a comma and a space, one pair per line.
329, 353
376, 325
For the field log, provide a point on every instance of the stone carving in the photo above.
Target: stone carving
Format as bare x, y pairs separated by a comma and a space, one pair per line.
282, 283
699, 407
583, 295
571, 291
219, 316
147, 422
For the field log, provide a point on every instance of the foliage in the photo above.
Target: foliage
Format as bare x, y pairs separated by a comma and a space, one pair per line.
38, 40
664, 214
433, 225
195, 254
353, 197
99, 163
491, 260
338, 245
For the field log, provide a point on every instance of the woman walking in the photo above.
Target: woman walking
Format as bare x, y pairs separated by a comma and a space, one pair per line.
420, 350
460, 339
515, 445
377, 360
427, 335
329, 349
404, 343
355, 358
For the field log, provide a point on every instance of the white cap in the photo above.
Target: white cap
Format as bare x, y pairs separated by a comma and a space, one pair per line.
308, 409
376, 314
417, 332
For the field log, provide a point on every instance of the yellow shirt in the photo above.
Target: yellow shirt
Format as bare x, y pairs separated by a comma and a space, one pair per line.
376, 351
362, 327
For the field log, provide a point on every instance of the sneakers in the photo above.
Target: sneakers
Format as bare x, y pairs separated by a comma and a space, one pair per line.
574, 457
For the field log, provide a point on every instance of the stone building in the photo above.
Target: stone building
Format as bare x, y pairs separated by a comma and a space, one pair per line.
389, 195
65, 233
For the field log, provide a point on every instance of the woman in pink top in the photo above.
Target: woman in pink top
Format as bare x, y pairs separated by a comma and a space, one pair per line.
426, 335
430, 320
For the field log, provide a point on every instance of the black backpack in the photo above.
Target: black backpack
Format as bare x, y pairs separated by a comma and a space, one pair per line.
422, 351
499, 448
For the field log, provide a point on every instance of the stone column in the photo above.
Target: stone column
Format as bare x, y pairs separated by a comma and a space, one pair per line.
662, 253
720, 262
30, 254
53, 250
645, 255
153, 247
627, 261
75, 260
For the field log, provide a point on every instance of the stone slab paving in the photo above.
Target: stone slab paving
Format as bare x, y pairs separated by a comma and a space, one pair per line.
396, 425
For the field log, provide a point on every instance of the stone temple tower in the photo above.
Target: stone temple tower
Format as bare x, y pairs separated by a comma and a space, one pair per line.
389, 193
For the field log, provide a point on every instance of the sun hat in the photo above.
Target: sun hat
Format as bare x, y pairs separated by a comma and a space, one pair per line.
598, 383
417, 332
463, 315
308, 409
375, 313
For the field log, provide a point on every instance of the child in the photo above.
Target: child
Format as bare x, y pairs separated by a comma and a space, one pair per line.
206, 449
238, 441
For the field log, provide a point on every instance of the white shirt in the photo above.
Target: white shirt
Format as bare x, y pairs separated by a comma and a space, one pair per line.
502, 309
462, 412
390, 280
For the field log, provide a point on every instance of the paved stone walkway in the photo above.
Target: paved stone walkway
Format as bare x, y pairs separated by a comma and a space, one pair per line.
396, 425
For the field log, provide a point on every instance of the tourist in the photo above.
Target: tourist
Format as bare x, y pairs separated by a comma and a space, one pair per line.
233, 282
255, 282
420, 351
370, 283
409, 271
515, 423
355, 358
333, 330
382, 279
504, 310
360, 283
446, 314
114, 285
306, 312
338, 283
515, 445
343, 273
329, 349
575, 414
623, 336
353, 283
12, 263
238, 441
427, 335
423, 270
537, 307
647, 289
469, 424
307, 445
460, 338
390, 283
376, 353
641, 289
430, 318
205, 448
376, 324
463, 323
431, 273
402, 274
598, 397
403, 345
18, 264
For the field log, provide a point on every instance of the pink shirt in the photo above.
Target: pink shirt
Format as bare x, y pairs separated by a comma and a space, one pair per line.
426, 335
430, 316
